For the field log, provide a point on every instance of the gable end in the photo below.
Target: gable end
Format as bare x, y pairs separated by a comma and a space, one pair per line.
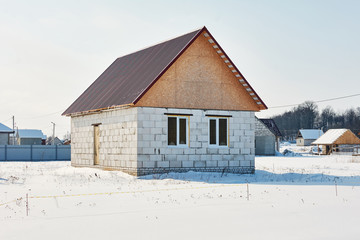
205, 77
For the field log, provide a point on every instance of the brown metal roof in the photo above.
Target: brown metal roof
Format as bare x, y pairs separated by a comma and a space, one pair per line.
130, 76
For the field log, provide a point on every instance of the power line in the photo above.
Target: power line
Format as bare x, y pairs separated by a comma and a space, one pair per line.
6, 120
40, 116
324, 100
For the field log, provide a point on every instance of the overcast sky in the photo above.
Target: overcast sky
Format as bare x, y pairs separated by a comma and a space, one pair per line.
289, 51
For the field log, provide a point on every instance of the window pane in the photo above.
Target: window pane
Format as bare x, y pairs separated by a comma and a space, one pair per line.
171, 131
212, 131
182, 131
223, 132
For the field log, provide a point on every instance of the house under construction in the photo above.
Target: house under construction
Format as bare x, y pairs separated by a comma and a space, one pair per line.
338, 141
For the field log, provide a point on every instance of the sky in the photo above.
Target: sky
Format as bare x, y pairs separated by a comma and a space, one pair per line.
289, 51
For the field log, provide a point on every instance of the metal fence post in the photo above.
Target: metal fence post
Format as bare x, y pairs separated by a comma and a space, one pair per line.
5, 152
31, 152
27, 204
56, 152
247, 190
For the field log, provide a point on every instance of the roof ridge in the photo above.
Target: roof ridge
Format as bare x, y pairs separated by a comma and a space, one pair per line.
340, 135
161, 42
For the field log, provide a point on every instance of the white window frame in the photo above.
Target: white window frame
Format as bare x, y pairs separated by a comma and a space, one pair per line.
178, 145
218, 134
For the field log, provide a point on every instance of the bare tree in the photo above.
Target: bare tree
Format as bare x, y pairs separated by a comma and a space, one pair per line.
307, 115
327, 118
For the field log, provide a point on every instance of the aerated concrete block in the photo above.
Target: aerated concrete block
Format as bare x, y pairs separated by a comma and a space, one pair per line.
175, 164
188, 164
199, 164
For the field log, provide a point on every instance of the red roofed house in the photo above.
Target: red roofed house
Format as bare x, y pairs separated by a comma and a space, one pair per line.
179, 105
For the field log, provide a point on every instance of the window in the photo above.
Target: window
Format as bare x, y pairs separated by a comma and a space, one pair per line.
177, 131
218, 132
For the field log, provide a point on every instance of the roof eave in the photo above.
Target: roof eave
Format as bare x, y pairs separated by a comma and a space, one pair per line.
93, 111
265, 107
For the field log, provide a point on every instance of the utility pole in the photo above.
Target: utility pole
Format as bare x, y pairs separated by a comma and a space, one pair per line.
13, 139
53, 136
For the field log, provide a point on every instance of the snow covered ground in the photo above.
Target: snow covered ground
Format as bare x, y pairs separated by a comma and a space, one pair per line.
298, 150
290, 198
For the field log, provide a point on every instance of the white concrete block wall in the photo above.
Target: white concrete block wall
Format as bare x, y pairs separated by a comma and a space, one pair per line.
118, 139
264, 139
261, 129
135, 140
154, 152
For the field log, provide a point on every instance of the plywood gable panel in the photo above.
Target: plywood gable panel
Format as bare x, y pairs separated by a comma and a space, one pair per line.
347, 138
199, 79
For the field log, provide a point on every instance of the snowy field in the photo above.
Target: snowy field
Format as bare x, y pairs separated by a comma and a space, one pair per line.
289, 198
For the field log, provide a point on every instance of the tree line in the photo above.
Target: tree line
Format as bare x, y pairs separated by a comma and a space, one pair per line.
308, 116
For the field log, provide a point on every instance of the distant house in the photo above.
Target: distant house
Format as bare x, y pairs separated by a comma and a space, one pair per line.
30, 137
306, 136
5, 134
57, 141
267, 137
338, 141
181, 105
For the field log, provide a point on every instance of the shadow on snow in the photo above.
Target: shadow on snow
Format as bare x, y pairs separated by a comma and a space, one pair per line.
260, 177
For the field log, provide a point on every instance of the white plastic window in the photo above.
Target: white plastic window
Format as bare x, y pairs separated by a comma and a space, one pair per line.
177, 131
218, 132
